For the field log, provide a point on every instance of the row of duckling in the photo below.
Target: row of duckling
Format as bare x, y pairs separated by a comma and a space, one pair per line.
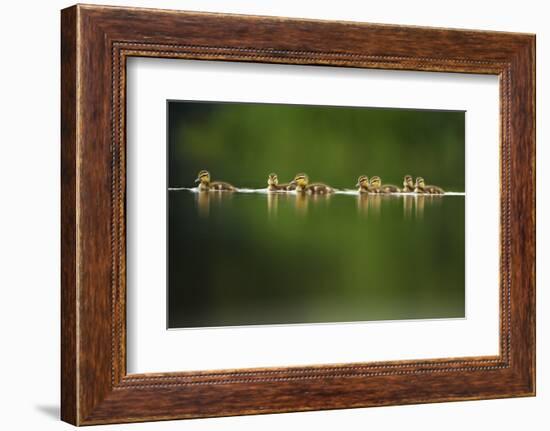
374, 185
301, 184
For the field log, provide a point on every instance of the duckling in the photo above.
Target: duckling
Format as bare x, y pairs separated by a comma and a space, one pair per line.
421, 187
376, 186
408, 184
363, 184
203, 178
274, 186
301, 182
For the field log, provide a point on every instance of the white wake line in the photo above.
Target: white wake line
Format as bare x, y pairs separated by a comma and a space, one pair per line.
336, 192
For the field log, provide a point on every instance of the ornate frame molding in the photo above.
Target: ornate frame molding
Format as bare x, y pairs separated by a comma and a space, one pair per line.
96, 41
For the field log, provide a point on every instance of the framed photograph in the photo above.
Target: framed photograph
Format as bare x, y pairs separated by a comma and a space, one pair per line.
266, 215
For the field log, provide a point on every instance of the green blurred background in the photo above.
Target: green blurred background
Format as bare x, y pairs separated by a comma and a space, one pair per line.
243, 143
247, 259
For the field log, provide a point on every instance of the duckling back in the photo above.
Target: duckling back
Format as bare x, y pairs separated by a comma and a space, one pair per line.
434, 190
390, 188
288, 187
319, 188
222, 186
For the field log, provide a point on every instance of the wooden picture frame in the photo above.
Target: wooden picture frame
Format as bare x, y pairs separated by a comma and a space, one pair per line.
95, 43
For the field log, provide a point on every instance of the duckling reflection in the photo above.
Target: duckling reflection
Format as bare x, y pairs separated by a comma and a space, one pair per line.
369, 204
433, 200
274, 186
301, 203
205, 184
304, 201
205, 200
301, 182
407, 205
363, 203
419, 206
203, 204
321, 199
272, 204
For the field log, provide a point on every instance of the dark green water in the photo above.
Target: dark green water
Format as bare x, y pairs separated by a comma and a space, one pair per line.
252, 258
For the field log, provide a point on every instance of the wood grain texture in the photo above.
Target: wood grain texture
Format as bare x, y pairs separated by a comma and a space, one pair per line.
96, 41
69, 366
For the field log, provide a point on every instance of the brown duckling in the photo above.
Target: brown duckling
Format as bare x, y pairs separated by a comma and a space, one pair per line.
408, 184
376, 186
274, 186
363, 184
203, 178
301, 182
421, 187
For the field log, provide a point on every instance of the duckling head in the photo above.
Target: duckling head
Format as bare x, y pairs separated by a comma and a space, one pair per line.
420, 182
300, 181
408, 181
272, 180
203, 177
362, 181
375, 182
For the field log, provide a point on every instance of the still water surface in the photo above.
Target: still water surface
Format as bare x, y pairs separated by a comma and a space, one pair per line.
284, 258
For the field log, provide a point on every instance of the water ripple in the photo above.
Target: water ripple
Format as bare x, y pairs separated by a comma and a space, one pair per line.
351, 192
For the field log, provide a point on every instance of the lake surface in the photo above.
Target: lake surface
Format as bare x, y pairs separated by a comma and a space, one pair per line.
284, 258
